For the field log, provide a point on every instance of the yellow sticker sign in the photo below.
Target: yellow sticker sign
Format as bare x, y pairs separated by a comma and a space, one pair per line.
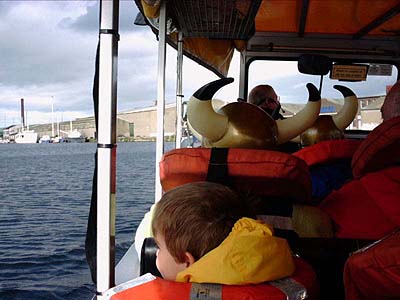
349, 72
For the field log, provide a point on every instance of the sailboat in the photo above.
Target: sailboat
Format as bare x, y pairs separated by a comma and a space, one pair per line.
25, 136
45, 139
73, 136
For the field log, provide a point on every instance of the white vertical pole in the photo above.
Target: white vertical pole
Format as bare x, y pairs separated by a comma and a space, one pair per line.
106, 147
242, 75
160, 95
179, 96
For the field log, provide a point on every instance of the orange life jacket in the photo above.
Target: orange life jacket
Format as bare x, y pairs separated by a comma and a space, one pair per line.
261, 172
154, 288
328, 151
379, 150
368, 206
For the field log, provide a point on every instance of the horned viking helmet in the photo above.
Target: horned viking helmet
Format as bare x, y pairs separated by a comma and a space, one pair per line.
244, 125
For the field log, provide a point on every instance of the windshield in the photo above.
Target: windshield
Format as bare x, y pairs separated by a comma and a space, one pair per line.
290, 85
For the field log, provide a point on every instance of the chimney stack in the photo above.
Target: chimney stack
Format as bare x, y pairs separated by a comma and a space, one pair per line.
22, 113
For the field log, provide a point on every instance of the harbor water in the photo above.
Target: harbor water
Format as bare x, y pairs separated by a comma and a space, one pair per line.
45, 192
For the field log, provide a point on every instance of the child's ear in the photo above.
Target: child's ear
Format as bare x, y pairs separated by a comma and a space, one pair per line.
189, 259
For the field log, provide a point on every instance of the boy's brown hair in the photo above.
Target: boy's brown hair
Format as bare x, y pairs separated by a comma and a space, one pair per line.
197, 217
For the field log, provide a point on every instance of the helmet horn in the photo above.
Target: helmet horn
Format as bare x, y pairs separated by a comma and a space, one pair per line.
291, 127
202, 118
349, 110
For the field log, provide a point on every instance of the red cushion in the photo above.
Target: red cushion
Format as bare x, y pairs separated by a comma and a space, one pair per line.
366, 208
379, 150
262, 172
375, 272
328, 151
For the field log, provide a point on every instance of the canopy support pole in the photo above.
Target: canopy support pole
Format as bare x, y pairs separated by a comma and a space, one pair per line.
160, 95
106, 147
242, 76
179, 96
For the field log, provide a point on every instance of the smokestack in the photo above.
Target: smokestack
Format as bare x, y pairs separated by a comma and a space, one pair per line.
22, 113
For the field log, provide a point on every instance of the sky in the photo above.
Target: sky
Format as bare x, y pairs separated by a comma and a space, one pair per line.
48, 55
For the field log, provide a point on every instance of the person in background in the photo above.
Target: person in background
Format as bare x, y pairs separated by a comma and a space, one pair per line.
391, 105
205, 234
374, 271
266, 98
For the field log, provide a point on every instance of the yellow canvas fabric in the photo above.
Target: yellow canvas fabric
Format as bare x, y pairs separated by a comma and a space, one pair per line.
218, 53
249, 255
151, 8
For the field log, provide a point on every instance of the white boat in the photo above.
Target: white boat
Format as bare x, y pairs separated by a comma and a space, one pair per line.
73, 135
57, 139
274, 41
26, 137
45, 139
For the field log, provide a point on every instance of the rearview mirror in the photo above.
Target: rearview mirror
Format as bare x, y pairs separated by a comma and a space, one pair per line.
312, 64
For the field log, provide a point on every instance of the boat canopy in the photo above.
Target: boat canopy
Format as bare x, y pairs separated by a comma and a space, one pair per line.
212, 30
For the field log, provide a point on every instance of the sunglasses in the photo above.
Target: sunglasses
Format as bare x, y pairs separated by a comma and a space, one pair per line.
269, 100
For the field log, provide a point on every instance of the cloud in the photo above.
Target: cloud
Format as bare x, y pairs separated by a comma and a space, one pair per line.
5, 7
37, 52
50, 54
50, 51
88, 22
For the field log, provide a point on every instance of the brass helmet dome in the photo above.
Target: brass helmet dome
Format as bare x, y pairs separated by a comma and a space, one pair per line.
244, 125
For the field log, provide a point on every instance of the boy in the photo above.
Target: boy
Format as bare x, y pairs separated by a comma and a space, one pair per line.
204, 234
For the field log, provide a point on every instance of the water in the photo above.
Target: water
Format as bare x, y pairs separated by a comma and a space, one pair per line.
45, 192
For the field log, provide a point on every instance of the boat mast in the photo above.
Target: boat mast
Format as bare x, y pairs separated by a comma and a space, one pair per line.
160, 95
106, 147
58, 125
179, 96
52, 116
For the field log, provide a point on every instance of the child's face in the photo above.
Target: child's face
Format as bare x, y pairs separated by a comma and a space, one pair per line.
166, 264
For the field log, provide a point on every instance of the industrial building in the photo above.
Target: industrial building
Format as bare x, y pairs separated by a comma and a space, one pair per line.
141, 124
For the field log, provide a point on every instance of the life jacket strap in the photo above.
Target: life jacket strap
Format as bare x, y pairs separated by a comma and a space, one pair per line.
205, 291
218, 166
293, 289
